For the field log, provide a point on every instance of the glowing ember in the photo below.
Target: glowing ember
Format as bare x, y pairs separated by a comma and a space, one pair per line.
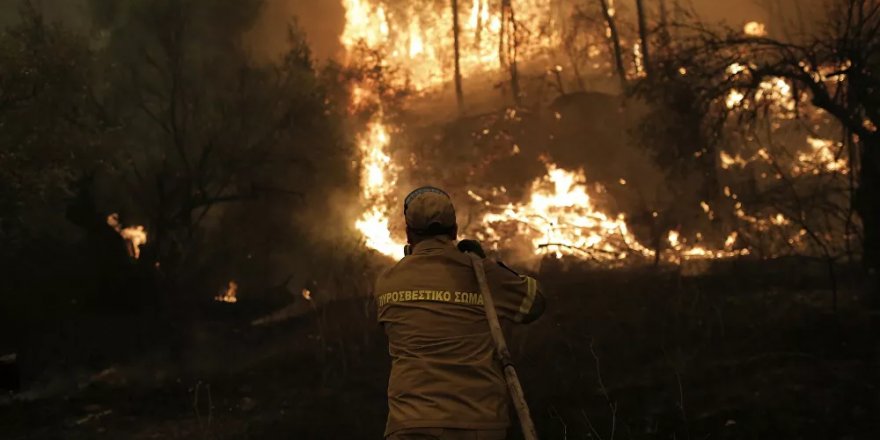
134, 236
229, 295
307, 294
755, 29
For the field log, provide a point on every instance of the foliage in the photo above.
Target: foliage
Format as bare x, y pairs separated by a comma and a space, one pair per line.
205, 129
49, 134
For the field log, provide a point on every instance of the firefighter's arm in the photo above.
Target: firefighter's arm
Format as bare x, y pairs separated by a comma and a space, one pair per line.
538, 306
519, 297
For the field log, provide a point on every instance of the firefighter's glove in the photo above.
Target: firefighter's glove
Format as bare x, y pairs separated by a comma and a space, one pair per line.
471, 246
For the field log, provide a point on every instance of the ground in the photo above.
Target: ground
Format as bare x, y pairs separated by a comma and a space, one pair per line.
742, 351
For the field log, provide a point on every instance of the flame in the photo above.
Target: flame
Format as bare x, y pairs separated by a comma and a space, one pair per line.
419, 38
307, 294
229, 295
378, 180
734, 98
755, 29
681, 251
639, 59
373, 224
560, 218
775, 91
821, 157
134, 236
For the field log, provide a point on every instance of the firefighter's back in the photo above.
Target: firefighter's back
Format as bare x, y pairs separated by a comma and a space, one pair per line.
444, 374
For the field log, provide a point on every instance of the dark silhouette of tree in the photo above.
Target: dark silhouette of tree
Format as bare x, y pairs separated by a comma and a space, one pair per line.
614, 41
644, 34
204, 125
49, 132
459, 94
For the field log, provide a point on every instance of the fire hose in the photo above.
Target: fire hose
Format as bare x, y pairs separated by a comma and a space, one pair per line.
513, 385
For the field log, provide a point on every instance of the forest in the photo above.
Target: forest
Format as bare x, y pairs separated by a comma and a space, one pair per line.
197, 196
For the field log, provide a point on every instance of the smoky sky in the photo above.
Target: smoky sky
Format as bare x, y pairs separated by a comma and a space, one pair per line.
323, 20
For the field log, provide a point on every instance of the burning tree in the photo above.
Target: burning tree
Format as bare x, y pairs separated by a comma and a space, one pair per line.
817, 91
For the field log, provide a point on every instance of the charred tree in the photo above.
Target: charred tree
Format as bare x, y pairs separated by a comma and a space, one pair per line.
509, 45
643, 36
615, 43
459, 95
664, 20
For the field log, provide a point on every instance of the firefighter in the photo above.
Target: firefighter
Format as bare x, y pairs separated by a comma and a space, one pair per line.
445, 381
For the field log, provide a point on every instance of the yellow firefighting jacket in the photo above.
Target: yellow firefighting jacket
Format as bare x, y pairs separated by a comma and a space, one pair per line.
444, 373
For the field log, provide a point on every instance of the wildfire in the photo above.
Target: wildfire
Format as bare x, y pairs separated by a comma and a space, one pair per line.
419, 39
134, 236
228, 295
560, 218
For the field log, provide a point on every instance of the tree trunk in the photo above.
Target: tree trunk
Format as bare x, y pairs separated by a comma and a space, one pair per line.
643, 35
459, 95
868, 208
509, 50
615, 44
664, 26
664, 20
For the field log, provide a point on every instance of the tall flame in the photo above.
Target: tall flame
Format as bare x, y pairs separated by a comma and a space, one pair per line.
378, 180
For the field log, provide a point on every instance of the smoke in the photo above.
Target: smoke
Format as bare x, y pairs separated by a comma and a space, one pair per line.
321, 22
